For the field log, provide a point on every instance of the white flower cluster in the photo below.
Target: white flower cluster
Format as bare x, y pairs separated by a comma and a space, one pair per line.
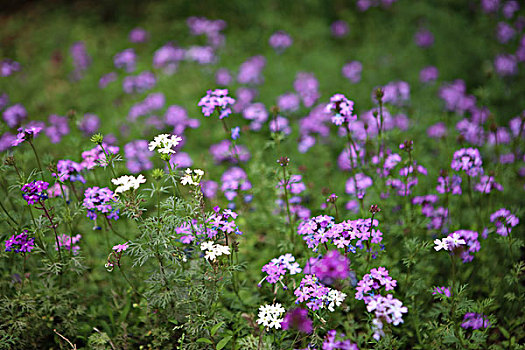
333, 299
448, 243
270, 315
164, 143
212, 251
128, 182
192, 177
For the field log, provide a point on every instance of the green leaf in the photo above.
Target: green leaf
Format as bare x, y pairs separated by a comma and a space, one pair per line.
504, 332
204, 340
223, 342
215, 328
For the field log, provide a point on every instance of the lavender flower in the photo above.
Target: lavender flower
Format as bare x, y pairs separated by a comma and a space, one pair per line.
467, 160
424, 38
486, 184
288, 102
8, 67
339, 29
250, 72
280, 41
14, 115
20, 243
506, 65
357, 185
257, 113
352, 71
89, 124
297, 319
99, 201
216, 100
333, 341
139, 83
223, 77
443, 291
26, 134
138, 156
138, 35
35, 191
475, 321
428, 74
504, 221
126, 59
224, 151
81, 59
342, 107
307, 87
58, 128
69, 243
168, 58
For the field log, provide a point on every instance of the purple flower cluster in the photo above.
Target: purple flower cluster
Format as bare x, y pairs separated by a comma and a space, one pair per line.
377, 278
35, 191
96, 156
28, 132
138, 156
356, 185
428, 74
211, 28
467, 160
364, 5
334, 341
168, 57
307, 86
81, 59
339, 29
216, 100
504, 221
341, 109
200, 54
126, 59
223, 77
424, 38
330, 267
280, 41
8, 67
475, 321
444, 291
89, 124
138, 35
288, 102
106, 79
257, 113
455, 97
280, 124
297, 319
20, 243
99, 201
472, 244
349, 234
317, 295
245, 97
139, 83
396, 93
318, 121
486, 184
233, 181
225, 151
277, 268
250, 71
177, 117
58, 128
352, 71
68, 170
506, 65
69, 243
14, 115
151, 103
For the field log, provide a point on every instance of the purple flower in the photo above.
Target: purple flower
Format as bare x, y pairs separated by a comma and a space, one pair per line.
20, 243
342, 108
138, 35
428, 74
120, 247
233, 181
330, 267
210, 28
307, 87
216, 100
244, 98
280, 41
209, 188
14, 115
67, 170
4, 100
486, 184
223, 77
509, 8
437, 130
138, 156
235, 133
8, 67
357, 185
168, 57
35, 191
506, 65
504, 32
96, 156
449, 184
81, 59
490, 5
126, 59
445, 291
200, 54
467, 160
6, 141
288, 102
475, 320
332, 340
280, 124
139, 83
69, 243
456, 100
377, 278
250, 72
99, 201
504, 221
181, 160
106, 79
351, 158
58, 128
424, 38
27, 133
339, 29
396, 93
177, 117
352, 71
89, 124
257, 113
298, 319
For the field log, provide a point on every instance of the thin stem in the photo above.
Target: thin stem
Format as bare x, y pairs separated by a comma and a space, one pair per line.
288, 212
37, 159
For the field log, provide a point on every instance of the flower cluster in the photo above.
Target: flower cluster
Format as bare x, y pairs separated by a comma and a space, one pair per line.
216, 100
374, 280
138, 156
467, 160
449, 243
475, 321
334, 341
317, 295
128, 182
165, 143
280, 41
233, 181
35, 191
26, 134
225, 151
212, 250
20, 243
449, 184
115, 256
69, 243
504, 221
276, 268
97, 156
343, 109
99, 200
270, 315
330, 267
192, 177
298, 319
68, 170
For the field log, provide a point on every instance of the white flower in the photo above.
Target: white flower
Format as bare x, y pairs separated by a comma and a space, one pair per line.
190, 179
455, 240
441, 244
212, 251
128, 182
164, 143
270, 315
335, 298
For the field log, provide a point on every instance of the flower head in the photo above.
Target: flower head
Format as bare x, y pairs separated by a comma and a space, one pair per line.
270, 315
20, 243
216, 100
128, 182
165, 143
35, 191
